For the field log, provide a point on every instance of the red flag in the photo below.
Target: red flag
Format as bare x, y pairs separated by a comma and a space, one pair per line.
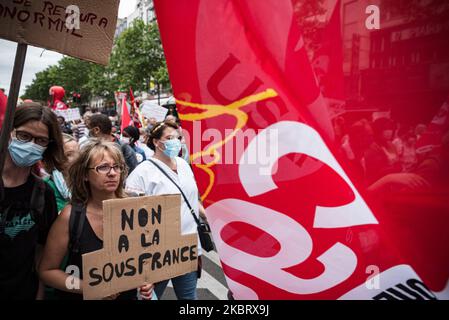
328, 60
286, 229
3, 104
135, 110
126, 118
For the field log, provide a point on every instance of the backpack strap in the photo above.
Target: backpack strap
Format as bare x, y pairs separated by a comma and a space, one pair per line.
76, 224
37, 201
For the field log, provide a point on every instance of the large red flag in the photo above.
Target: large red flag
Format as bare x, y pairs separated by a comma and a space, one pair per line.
287, 228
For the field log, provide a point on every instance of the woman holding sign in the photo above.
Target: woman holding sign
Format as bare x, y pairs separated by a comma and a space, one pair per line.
96, 175
163, 174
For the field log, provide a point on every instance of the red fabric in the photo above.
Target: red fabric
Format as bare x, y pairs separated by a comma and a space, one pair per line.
135, 110
126, 118
3, 105
310, 230
58, 94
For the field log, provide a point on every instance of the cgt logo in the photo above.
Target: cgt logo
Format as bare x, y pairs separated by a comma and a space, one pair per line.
296, 243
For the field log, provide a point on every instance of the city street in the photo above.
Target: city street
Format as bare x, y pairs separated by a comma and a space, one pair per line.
212, 285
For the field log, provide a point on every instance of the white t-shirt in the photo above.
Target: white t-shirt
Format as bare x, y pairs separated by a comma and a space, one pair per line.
148, 179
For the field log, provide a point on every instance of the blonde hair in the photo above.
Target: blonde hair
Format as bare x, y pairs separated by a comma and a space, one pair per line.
79, 170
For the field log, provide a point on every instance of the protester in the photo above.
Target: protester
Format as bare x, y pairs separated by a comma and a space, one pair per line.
381, 158
28, 206
58, 180
57, 94
100, 126
148, 179
81, 130
131, 136
65, 127
184, 149
96, 175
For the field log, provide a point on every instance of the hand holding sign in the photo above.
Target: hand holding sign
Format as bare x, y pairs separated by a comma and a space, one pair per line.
142, 244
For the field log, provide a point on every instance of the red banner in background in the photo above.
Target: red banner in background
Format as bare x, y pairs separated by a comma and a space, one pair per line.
296, 223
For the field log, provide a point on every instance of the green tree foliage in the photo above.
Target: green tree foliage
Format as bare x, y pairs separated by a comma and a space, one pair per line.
136, 59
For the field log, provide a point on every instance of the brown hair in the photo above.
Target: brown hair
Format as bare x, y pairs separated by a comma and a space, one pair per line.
158, 131
53, 156
79, 170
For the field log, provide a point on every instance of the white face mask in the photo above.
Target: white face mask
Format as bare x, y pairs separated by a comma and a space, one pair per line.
124, 140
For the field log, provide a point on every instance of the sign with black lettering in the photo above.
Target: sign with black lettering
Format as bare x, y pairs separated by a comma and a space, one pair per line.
80, 28
142, 244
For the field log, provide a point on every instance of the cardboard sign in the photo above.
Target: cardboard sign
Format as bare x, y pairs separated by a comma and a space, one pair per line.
69, 114
153, 110
54, 25
142, 244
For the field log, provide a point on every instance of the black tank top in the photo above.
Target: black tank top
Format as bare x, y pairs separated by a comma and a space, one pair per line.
89, 242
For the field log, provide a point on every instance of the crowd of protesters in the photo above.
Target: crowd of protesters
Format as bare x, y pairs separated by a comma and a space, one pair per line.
385, 155
57, 171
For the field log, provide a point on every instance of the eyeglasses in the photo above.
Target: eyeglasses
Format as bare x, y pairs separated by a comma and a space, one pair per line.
24, 136
106, 169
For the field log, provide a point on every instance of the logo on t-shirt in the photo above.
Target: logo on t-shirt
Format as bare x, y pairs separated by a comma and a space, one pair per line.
18, 225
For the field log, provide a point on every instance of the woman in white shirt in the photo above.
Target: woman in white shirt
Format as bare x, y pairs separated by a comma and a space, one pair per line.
147, 179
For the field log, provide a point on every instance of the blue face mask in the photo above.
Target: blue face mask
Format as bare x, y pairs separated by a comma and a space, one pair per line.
172, 148
25, 154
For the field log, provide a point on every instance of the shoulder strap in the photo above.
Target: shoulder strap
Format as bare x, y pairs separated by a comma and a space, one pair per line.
182, 193
37, 202
76, 224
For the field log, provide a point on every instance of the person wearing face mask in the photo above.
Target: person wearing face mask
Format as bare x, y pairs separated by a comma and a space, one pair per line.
27, 204
151, 177
131, 136
57, 179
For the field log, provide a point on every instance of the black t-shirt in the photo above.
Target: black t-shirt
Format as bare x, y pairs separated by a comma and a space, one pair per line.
23, 231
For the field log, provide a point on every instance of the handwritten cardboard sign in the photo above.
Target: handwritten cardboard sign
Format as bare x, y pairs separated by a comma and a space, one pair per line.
142, 244
49, 24
69, 114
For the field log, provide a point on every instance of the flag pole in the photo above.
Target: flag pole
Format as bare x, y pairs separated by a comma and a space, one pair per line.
13, 96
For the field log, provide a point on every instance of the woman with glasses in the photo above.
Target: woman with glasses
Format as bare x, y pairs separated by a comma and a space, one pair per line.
27, 204
96, 175
150, 178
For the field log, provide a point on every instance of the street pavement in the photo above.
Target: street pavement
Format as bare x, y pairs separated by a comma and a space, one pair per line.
211, 285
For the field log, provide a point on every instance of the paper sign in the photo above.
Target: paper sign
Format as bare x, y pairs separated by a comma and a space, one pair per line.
153, 110
69, 114
80, 28
142, 244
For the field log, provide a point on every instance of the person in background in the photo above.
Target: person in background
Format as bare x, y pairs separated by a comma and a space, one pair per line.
131, 137
57, 94
96, 175
65, 128
382, 158
184, 149
58, 180
148, 179
27, 204
100, 127
143, 142
81, 130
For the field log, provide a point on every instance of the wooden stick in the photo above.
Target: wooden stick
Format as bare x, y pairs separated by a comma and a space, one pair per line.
13, 96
